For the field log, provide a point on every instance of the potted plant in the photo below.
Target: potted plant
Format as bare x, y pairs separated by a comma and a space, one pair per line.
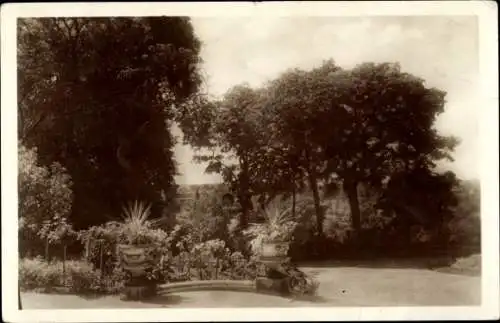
136, 238
271, 239
138, 246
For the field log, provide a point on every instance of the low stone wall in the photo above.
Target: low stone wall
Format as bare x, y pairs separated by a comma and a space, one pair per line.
229, 285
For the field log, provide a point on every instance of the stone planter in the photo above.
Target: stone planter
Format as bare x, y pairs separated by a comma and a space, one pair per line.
271, 249
136, 261
273, 255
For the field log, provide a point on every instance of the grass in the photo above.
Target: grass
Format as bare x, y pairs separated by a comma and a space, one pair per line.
339, 286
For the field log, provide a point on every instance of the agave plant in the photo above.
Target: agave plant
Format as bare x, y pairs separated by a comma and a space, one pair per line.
278, 226
279, 222
136, 222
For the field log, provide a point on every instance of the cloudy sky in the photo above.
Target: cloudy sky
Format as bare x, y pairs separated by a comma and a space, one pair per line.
442, 50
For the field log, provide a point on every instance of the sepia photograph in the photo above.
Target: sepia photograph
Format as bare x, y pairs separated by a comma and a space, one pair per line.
181, 159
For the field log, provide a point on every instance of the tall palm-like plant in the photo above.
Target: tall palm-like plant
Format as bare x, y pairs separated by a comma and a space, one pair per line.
136, 221
278, 226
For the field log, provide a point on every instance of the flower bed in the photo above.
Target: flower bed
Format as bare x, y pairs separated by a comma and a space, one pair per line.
73, 276
81, 276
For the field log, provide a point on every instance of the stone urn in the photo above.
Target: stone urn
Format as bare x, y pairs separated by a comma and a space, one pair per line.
273, 256
137, 261
272, 249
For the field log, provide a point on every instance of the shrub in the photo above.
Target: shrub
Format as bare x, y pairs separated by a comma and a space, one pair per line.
208, 260
205, 218
279, 225
101, 239
337, 223
45, 197
237, 267
79, 277
38, 274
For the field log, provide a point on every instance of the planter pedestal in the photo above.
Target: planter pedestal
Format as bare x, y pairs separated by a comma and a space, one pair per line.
137, 290
278, 286
275, 279
136, 262
282, 278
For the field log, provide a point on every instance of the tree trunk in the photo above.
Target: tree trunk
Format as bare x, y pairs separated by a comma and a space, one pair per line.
245, 198
294, 201
313, 182
245, 210
351, 190
47, 250
64, 265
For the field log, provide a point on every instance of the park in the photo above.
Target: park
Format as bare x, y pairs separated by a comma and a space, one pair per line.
330, 187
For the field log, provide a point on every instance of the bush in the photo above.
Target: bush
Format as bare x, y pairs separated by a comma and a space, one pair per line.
101, 239
208, 260
38, 274
79, 277
205, 218
45, 197
237, 267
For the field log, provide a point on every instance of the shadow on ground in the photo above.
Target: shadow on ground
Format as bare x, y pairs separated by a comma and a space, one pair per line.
438, 264
394, 264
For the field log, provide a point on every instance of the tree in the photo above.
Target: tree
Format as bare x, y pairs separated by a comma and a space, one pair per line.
465, 226
98, 95
295, 106
234, 139
240, 148
45, 197
388, 118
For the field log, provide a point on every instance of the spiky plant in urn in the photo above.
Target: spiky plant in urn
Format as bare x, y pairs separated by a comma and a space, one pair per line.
138, 249
270, 241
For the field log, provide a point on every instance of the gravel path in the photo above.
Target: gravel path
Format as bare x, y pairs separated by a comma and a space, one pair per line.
347, 286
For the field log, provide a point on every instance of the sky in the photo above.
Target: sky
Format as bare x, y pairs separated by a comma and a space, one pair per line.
441, 50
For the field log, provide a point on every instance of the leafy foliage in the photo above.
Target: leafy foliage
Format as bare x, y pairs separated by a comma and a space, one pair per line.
101, 241
137, 228
279, 226
45, 197
211, 259
100, 246
465, 226
365, 136
205, 218
98, 95
235, 137
78, 276
389, 116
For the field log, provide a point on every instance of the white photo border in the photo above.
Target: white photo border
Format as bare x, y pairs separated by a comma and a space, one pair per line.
486, 11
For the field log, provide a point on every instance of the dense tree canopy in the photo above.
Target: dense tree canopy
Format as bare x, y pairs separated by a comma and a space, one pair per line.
347, 127
98, 95
389, 126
